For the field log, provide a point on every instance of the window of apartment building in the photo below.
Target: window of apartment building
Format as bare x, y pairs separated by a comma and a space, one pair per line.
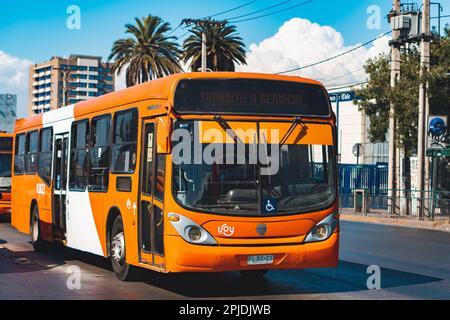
79, 157
125, 141
31, 154
99, 153
82, 68
19, 154
45, 154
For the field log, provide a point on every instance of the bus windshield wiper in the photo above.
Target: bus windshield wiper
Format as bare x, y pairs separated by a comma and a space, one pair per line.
291, 129
226, 127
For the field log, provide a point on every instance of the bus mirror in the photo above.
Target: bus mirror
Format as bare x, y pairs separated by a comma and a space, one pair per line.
163, 135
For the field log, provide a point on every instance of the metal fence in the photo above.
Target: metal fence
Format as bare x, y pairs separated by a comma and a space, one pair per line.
373, 179
365, 188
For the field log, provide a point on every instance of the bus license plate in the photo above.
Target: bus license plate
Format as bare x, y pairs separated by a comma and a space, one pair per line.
263, 259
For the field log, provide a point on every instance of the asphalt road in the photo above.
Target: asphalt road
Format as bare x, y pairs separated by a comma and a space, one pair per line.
415, 264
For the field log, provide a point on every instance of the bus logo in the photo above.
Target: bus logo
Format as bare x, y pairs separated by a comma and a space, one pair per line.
226, 230
261, 229
40, 188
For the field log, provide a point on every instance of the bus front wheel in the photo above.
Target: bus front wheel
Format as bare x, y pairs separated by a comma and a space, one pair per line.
117, 254
36, 239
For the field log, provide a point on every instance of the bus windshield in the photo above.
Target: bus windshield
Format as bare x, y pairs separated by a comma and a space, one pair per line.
5, 165
303, 181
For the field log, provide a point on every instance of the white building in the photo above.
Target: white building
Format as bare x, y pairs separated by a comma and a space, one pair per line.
353, 128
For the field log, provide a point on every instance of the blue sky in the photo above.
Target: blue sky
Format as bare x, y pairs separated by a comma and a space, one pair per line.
36, 30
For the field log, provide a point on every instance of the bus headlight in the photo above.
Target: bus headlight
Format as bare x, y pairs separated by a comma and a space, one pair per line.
190, 231
194, 233
324, 229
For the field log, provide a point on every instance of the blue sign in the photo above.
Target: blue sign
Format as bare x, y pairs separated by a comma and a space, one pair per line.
437, 137
342, 96
270, 205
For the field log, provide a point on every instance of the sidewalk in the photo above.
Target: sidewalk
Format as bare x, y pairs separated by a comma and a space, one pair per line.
442, 224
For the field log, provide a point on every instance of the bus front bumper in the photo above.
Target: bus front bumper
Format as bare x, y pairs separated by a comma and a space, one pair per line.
196, 258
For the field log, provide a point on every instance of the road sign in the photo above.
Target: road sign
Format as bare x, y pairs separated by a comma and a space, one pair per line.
434, 153
437, 133
342, 96
357, 150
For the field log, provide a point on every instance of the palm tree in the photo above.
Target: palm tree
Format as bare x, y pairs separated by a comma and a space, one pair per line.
150, 53
224, 47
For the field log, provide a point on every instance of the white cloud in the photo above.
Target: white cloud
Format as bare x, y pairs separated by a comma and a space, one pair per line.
14, 79
300, 42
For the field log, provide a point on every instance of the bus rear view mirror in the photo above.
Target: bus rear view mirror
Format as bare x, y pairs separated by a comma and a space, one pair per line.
163, 128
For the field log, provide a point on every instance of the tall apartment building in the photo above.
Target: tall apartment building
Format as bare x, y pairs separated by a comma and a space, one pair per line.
8, 111
64, 81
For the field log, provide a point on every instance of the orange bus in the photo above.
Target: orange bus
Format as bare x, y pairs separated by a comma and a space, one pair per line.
194, 172
6, 144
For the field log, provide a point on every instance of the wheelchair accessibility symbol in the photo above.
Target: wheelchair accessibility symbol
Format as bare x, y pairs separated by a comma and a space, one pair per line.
270, 205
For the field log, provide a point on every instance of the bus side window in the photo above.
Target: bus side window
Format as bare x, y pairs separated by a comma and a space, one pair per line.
124, 145
79, 157
160, 176
31, 155
99, 153
19, 154
45, 154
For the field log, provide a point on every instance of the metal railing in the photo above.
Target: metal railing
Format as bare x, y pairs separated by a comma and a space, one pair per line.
435, 204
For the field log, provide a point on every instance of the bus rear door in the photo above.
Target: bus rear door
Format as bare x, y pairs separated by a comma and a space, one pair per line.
60, 164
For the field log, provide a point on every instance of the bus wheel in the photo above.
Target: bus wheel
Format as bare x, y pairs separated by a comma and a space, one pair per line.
253, 274
36, 239
117, 254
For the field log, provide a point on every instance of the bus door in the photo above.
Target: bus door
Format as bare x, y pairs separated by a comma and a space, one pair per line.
151, 217
60, 163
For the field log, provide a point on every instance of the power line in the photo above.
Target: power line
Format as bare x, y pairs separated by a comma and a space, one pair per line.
261, 10
335, 56
444, 16
343, 75
233, 9
347, 85
272, 13
217, 14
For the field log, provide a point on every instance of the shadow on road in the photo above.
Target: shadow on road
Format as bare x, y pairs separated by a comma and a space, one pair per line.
348, 277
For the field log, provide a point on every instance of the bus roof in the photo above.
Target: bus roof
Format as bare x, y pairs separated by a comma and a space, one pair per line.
159, 89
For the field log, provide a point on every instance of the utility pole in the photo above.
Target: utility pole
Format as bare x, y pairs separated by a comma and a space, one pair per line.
423, 105
395, 75
203, 24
